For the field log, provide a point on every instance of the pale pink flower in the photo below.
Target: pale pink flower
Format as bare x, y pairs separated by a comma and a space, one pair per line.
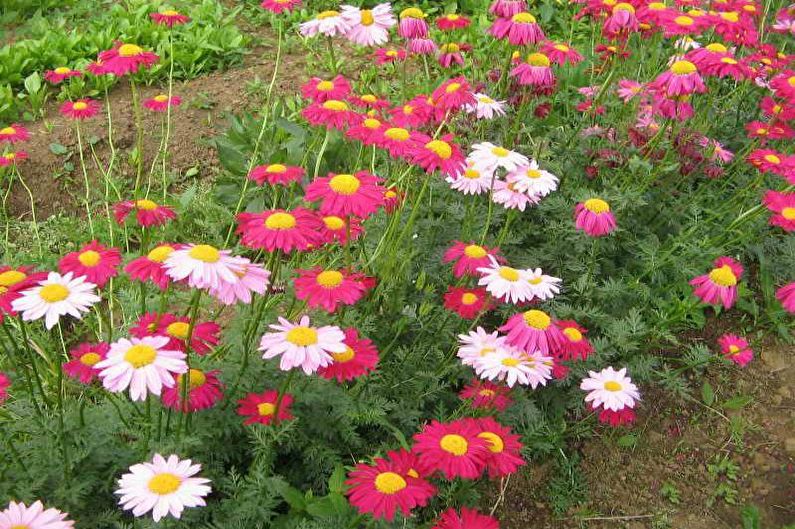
301, 345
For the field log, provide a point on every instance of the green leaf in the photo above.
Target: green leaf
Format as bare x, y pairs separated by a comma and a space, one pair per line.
627, 441
336, 482
707, 393
33, 83
738, 402
57, 148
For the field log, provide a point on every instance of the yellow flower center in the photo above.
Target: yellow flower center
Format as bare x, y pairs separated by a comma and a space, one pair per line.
390, 53
454, 444
130, 50
276, 168
89, 258
696, 13
62, 70
657, 6
452, 87
473, 251
728, 60
510, 362
486, 393
280, 221
334, 223
169, 13
730, 16
453, 17
335, 105
535, 280
344, 184
440, 148
716, 47
733, 349
205, 253
788, 213
791, 81
367, 17
538, 59
11, 277
412, 12
80, 105
451, 48
178, 329
164, 484
390, 194
537, 319
8, 131
302, 336
523, 18
370, 98
371, 123
623, 6
346, 356
196, 379
53, 293
90, 359
612, 385
508, 273
723, 276
486, 100
329, 279
140, 355
327, 14
596, 205
389, 483
325, 86
160, 253
500, 152
496, 444
772, 158
683, 68
397, 134
145, 204
10, 156
572, 334
468, 298
471, 173
265, 409
408, 109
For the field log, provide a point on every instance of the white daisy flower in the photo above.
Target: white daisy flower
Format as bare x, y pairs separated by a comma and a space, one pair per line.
533, 180
485, 107
478, 343
34, 516
543, 286
56, 296
505, 283
487, 154
513, 366
328, 23
611, 389
368, 27
474, 180
163, 486
204, 266
508, 196
142, 364
302, 345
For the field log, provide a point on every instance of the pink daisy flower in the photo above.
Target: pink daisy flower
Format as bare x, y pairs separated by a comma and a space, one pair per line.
628, 89
96, 68
736, 349
509, 196
505, 449
422, 46
14, 281
367, 131
331, 113
12, 158
533, 330
301, 345
327, 289
398, 141
175, 328
520, 29
783, 207
60, 74
280, 6
161, 102
94, 261
276, 174
386, 486
438, 154
347, 194
204, 391
594, 217
169, 18
368, 27
507, 8
468, 519
786, 296
360, 357
260, 408
388, 55
203, 266
453, 448
719, 287
412, 24
469, 257
35, 516
560, 53
575, 346
454, 94
770, 161
450, 54
126, 58
783, 85
320, 90
83, 359
328, 23
416, 113
485, 394
5, 383
452, 22
680, 79
622, 417
279, 229
252, 277
14, 133
621, 22
147, 212
536, 70
150, 267
339, 229
468, 303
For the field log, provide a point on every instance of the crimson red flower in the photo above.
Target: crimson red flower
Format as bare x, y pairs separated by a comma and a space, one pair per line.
126, 58
623, 417
770, 161
392, 199
206, 335
340, 229
453, 448
328, 289
14, 281
468, 519
320, 90
468, 257
279, 6
467, 302
276, 173
261, 407
505, 450
388, 55
161, 102
442, 154
169, 18
150, 267
94, 261
783, 85
60, 74
279, 229
14, 133
83, 359
574, 346
416, 113
331, 113
347, 194
452, 21
204, 391
360, 358
783, 205
453, 94
485, 394
12, 158
367, 130
147, 212
560, 53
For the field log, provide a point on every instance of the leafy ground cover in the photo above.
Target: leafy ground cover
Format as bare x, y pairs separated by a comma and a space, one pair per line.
629, 289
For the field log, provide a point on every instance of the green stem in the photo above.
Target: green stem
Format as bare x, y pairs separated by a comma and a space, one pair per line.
87, 196
139, 135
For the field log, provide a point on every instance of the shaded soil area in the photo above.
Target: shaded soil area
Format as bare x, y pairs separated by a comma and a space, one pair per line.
685, 464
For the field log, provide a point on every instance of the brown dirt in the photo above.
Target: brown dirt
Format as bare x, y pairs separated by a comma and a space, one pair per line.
675, 443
